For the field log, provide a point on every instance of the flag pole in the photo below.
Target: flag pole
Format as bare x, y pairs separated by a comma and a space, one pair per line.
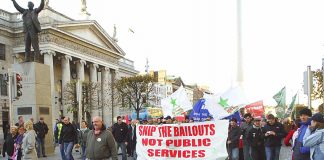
309, 84
239, 67
323, 75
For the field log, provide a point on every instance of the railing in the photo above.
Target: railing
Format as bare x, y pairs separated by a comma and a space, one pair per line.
126, 63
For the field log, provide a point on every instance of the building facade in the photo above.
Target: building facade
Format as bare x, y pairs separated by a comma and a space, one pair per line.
75, 50
167, 84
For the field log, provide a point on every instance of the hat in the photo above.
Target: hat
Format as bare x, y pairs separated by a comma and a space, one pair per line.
318, 117
257, 118
234, 120
305, 111
168, 117
270, 116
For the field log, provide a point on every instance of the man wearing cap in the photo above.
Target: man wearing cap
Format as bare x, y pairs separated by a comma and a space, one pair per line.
120, 132
273, 133
255, 138
245, 127
314, 137
301, 152
234, 133
41, 130
168, 120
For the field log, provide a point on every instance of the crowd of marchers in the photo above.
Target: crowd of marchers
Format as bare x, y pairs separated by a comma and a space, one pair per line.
254, 139
94, 141
262, 139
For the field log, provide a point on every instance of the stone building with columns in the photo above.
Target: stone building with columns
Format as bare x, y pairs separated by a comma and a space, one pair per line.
74, 50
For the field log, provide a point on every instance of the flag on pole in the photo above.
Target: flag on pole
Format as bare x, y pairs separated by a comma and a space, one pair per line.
235, 115
177, 103
199, 112
226, 104
130, 30
291, 106
280, 98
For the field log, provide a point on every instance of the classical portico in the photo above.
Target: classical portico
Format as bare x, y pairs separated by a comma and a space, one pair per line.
76, 50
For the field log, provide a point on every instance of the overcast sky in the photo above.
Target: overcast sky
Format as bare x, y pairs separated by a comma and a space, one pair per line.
196, 39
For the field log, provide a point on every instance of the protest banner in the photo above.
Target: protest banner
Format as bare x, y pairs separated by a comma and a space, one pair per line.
256, 109
194, 141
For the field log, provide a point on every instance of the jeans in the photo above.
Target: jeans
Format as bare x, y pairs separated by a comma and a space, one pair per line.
234, 153
62, 151
68, 146
40, 145
83, 148
247, 152
122, 145
134, 155
272, 153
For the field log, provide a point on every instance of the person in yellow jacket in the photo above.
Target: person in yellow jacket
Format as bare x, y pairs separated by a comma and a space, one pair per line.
57, 134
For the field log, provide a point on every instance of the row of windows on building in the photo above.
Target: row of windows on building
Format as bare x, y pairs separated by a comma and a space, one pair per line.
3, 84
2, 52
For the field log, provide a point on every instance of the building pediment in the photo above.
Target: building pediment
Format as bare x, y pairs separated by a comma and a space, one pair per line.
91, 32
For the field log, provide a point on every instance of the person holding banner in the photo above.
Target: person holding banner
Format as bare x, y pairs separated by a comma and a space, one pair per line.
256, 139
245, 127
234, 133
132, 139
274, 133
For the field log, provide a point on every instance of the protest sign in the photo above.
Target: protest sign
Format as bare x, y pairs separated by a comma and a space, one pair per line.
204, 140
256, 109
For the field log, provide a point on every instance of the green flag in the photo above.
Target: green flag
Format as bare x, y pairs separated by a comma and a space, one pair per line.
291, 106
280, 98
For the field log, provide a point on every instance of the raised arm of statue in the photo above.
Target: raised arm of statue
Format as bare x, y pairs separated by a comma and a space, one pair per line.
83, 5
41, 7
20, 9
46, 3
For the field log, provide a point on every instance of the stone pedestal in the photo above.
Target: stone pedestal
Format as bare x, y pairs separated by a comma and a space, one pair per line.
35, 101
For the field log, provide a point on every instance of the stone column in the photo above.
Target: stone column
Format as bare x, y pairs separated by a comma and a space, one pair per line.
94, 96
105, 92
80, 73
80, 69
114, 108
48, 60
66, 77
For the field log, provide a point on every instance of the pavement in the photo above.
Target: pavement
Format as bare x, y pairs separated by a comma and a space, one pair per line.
76, 155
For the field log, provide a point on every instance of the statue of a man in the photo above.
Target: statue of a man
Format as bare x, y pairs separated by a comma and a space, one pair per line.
31, 28
83, 6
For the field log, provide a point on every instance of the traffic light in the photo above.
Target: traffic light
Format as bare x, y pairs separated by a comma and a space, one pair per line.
17, 84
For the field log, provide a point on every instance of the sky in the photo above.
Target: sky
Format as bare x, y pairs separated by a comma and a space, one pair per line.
197, 39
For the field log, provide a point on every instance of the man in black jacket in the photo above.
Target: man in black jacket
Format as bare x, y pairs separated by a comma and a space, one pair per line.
255, 138
120, 132
41, 130
245, 127
234, 134
68, 138
273, 132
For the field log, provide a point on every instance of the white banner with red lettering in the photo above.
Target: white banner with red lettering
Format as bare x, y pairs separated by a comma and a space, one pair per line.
202, 140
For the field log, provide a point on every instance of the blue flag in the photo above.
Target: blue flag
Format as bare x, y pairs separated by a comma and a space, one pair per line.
199, 113
235, 115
